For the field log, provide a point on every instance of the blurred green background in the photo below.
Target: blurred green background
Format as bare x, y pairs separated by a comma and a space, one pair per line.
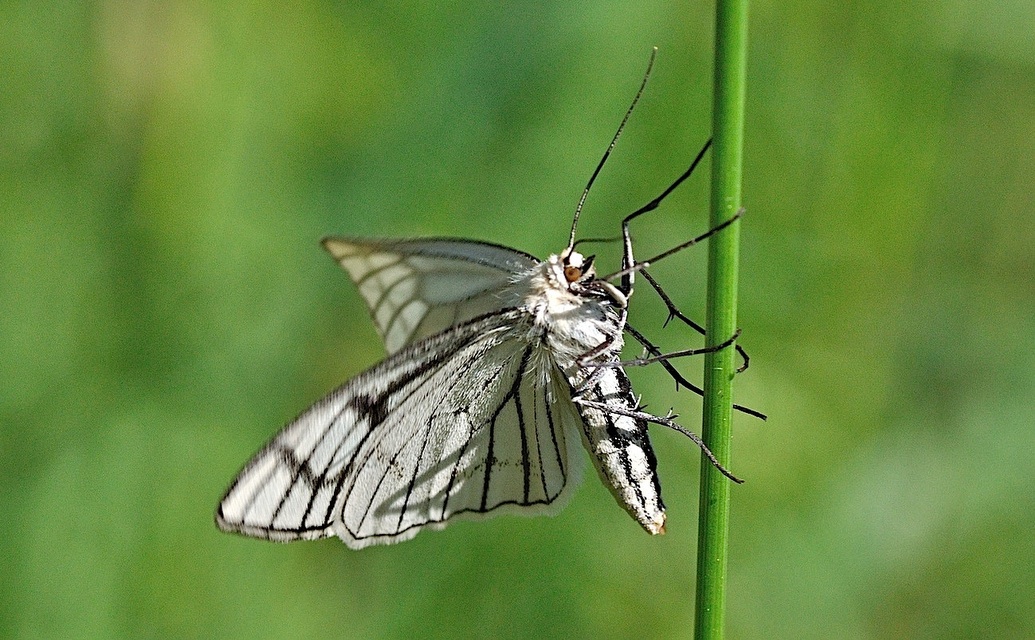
166, 169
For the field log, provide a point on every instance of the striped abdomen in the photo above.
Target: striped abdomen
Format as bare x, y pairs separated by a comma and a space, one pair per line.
621, 449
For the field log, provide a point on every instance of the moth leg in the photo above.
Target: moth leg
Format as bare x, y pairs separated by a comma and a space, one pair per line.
674, 312
672, 371
584, 359
630, 266
628, 262
678, 377
641, 362
665, 422
597, 368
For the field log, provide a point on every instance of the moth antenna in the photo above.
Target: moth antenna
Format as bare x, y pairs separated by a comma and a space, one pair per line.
610, 147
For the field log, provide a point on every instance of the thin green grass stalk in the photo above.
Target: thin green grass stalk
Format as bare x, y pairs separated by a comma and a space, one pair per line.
719, 367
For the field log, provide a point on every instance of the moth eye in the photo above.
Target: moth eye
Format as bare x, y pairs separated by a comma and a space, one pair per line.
572, 273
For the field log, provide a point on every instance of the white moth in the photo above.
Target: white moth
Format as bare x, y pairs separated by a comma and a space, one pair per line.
498, 363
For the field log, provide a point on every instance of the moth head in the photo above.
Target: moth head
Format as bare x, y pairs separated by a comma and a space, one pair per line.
575, 267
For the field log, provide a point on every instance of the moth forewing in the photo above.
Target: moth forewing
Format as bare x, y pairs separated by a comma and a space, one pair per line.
490, 443
462, 425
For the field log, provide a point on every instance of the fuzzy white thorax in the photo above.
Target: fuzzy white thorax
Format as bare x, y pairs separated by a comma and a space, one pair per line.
573, 322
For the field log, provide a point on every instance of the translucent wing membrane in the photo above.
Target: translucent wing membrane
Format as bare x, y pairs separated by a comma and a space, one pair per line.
460, 425
417, 288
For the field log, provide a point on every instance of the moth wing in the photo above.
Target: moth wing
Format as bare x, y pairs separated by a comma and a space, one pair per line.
417, 288
466, 424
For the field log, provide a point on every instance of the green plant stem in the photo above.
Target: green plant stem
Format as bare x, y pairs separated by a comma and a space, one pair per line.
719, 367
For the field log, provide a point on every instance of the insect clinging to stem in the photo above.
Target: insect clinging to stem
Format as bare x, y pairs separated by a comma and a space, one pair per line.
497, 363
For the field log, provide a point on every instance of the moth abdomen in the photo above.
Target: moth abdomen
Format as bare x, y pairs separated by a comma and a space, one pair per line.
621, 448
